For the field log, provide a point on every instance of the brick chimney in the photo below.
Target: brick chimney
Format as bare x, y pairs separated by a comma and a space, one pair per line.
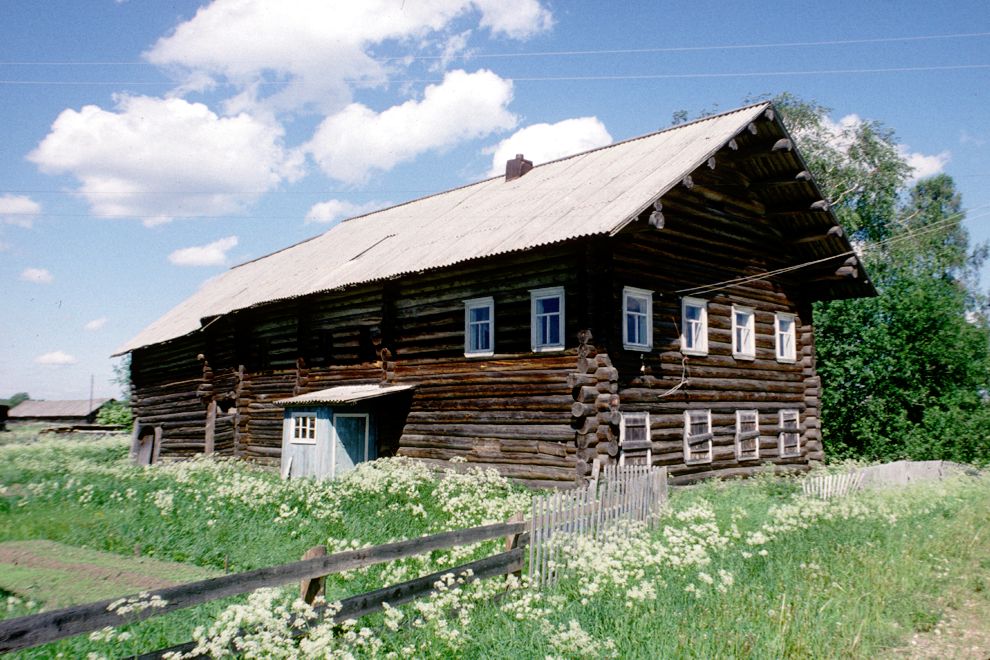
516, 167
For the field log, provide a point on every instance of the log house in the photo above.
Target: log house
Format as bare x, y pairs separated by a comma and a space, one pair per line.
649, 301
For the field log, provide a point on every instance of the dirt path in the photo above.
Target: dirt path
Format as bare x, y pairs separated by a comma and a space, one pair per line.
60, 575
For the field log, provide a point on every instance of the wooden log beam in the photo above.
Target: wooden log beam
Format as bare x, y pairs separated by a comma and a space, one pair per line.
835, 231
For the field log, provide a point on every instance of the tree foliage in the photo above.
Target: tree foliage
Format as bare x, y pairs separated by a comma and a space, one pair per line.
905, 374
17, 399
115, 413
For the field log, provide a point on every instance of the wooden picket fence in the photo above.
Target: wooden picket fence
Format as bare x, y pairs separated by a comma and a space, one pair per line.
827, 486
621, 492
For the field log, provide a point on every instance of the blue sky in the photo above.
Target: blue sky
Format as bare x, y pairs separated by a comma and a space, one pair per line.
147, 146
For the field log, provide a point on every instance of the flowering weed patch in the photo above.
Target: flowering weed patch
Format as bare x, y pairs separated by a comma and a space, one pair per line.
739, 569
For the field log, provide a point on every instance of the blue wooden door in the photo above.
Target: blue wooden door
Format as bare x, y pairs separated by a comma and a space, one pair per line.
351, 434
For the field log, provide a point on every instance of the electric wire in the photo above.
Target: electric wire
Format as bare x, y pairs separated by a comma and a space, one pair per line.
560, 53
928, 229
583, 78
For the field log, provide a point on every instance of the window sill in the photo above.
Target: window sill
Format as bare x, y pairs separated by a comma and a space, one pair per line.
694, 352
744, 356
302, 442
700, 461
642, 348
786, 360
547, 349
482, 354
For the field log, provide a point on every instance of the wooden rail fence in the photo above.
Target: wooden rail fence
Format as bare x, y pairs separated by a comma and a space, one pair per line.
27, 631
623, 492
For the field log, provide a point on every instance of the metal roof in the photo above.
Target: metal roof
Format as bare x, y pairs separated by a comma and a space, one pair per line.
344, 394
595, 192
31, 408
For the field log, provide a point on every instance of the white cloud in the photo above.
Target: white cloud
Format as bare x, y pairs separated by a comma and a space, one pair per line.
18, 210
333, 210
55, 359
923, 165
95, 324
211, 254
841, 135
541, 143
4, 246
349, 145
518, 20
163, 158
37, 276
317, 49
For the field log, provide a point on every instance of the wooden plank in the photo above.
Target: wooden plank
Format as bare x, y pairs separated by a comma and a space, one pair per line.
27, 631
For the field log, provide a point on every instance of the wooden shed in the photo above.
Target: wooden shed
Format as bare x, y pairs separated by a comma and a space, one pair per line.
649, 301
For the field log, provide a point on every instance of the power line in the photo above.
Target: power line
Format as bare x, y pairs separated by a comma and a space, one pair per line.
590, 78
936, 226
564, 53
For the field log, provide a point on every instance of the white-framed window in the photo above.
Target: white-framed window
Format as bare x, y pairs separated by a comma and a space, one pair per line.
747, 435
743, 333
547, 318
634, 437
694, 326
697, 436
785, 329
479, 326
303, 428
637, 319
790, 433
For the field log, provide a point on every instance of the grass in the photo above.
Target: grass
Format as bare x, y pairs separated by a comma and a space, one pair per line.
738, 569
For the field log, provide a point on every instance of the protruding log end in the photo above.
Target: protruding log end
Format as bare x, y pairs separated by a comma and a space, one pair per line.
783, 144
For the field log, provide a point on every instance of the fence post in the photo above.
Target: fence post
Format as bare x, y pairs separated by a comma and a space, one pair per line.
512, 540
310, 588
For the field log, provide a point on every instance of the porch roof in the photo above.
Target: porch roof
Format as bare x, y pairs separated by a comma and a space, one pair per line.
344, 394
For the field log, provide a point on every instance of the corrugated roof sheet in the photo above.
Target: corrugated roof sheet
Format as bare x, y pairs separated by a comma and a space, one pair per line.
596, 192
344, 394
31, 408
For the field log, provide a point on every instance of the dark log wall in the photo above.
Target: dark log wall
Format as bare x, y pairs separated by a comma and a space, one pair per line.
509, 411
166, 383
703, 242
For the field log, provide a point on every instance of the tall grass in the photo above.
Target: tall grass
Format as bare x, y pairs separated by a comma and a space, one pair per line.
735, 569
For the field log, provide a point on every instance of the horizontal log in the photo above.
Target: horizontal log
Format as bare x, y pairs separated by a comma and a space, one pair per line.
560, 432
575, 380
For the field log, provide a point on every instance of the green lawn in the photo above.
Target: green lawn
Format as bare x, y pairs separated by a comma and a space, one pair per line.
737, 569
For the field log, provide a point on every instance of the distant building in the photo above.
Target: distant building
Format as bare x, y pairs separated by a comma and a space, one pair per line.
56, 413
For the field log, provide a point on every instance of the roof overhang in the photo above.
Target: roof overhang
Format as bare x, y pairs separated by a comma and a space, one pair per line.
344, 394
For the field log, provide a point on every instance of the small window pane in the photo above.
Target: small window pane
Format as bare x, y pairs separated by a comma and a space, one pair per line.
635, 304
548, 305
480, 314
